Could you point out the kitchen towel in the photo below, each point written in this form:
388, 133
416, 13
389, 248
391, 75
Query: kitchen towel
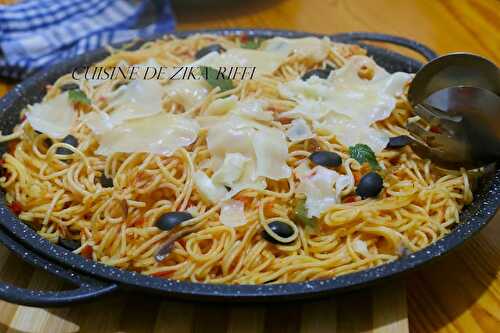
38, 33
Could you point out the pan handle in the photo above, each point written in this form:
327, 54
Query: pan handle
376, 37
87, 288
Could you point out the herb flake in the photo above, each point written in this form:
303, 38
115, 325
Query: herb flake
78, 96
300, 214
363, 153
216, 79
252, 44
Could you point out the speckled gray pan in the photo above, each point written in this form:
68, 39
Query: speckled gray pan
94, 279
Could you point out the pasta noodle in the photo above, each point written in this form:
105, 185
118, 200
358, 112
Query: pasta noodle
60, 195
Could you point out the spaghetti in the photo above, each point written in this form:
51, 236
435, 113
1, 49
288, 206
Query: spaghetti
60, 190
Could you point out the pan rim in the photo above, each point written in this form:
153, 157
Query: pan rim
483, 209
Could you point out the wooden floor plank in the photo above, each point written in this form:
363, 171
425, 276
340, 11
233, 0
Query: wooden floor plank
390, 313
319, 316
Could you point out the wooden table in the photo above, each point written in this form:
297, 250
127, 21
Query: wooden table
458, 293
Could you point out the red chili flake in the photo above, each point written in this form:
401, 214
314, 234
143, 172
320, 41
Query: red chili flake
23, 117
138, 223
435, 129
285, 121
162, 274
2, 161
16, 207
244, 38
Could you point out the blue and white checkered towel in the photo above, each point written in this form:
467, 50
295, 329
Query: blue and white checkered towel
37, 33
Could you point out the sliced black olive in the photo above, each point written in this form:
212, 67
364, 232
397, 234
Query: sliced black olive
69, 244
321, 73
281, 229
48, 142
326, 158
70, 140
207, 49
169, 220
105, 181
370, 185
69, 86
399, 141
119, 84
330, 68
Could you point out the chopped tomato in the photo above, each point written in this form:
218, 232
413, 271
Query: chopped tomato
246, 200
285, 120
244, 38
162, 274
16, 207
87, 251
268, 208
435, 129
11, 146
350, 198
138, 223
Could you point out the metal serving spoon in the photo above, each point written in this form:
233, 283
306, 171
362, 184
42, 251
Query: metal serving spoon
458, 96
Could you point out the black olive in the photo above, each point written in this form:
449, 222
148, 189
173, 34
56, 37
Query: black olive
69, 86
119, 84
399, 141
281, 229
321, 73
105, 181
69, 244
70, 140
370, 185
326, 158
169, 220
207, 49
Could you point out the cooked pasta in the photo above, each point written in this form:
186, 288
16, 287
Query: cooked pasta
102, 165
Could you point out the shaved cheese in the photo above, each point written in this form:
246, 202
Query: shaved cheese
230, 135
303, 169
98, 121
299, 130
318, 188
54, 117
232, 213
360, 246
231, 170
160, 134
351, 133
346, 105
263, 61
310, 47
322, 187
221, 106
188, 93
210, 191
341, 184
138, 99
253, 109
271, 150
